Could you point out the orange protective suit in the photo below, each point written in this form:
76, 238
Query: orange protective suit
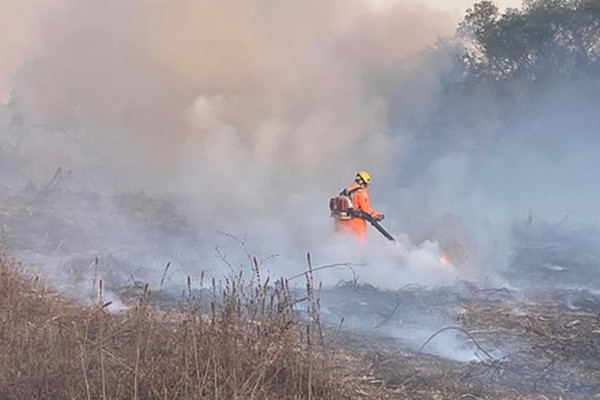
360, 201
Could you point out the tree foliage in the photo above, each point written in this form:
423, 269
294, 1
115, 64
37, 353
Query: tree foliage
543, 41
520, 72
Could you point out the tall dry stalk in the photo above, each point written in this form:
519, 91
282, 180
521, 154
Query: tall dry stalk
243, 340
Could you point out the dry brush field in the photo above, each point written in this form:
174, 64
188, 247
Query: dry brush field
247, 340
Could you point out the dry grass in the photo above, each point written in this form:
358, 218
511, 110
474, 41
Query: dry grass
245, 342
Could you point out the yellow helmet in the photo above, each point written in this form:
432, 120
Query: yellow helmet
365, 176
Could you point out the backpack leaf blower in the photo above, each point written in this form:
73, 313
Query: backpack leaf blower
375, 224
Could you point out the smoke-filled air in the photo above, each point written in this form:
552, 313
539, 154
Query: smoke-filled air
245, 117
156, 140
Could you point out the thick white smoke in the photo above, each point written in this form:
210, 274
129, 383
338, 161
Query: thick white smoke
247, 116
198, 134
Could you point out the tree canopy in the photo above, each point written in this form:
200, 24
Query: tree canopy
529, 72
543, 41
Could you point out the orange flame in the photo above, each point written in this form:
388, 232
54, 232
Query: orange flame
444, 260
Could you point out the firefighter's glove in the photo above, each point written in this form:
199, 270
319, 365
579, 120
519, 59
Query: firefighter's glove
380, 217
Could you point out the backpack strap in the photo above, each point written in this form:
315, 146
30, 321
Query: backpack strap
353, 213
345, 192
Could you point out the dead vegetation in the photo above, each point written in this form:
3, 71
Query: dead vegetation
249, 340
246, 343
526, 346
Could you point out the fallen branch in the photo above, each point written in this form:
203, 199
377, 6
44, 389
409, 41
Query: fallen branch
337, 265
460, 330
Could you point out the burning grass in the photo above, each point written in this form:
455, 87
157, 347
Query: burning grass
246, 341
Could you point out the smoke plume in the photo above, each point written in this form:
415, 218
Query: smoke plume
247, 115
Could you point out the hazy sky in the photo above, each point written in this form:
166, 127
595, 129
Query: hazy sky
459, 6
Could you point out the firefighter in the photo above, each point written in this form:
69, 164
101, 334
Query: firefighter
359, 196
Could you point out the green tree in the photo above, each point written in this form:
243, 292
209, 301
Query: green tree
545, 40
528, 71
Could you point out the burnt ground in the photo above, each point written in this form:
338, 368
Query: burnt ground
538, 337
542, 344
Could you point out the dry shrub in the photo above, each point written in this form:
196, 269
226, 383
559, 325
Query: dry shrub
245, 341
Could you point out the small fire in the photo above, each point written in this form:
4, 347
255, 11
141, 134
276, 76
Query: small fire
444, 260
